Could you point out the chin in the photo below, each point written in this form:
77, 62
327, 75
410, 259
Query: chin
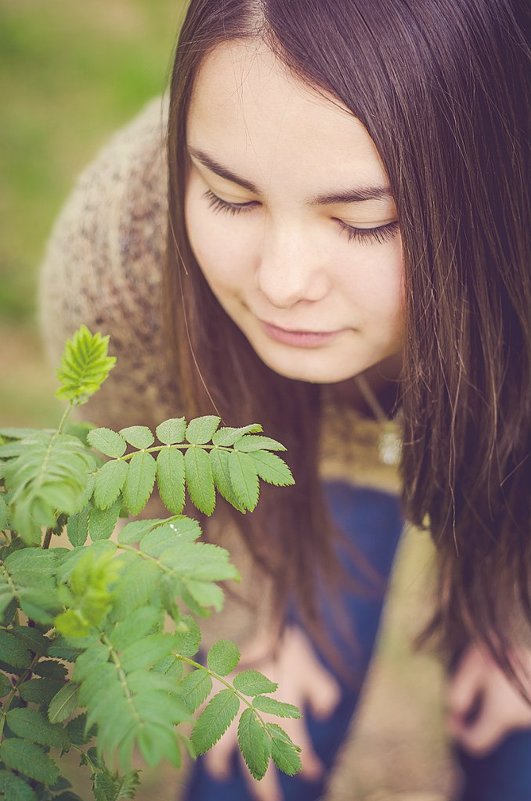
298, 369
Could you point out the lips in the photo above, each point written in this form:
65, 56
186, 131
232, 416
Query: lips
298, 339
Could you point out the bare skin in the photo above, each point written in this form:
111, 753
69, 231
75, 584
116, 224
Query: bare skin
502, 708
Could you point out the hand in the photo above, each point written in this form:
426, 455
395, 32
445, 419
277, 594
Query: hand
301, 680
483, 705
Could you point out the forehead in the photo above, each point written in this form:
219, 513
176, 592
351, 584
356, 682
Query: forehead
250, 112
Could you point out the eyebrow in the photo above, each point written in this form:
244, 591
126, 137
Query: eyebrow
357, 195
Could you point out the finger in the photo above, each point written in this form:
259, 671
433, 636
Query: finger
479, 739
463, 688
268, 788
320, 688
323, 693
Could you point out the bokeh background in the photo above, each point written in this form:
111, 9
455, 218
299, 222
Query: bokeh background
71, 73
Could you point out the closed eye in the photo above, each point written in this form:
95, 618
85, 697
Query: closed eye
380, 234
218, 204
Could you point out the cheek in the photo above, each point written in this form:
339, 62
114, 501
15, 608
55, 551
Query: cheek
388, 292
221, 252
379, 288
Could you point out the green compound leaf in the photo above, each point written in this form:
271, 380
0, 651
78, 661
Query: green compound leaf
228, 436
181, 528
199, 480
110, 479
107, 441
139, 482
133, 532
49, 477
108, 787
274, 707
40, 691
29, 759
138, 436
195, 688
271, 468
170, 479
214, 721
252, 443
27, 578
223, 657
14, 788
201, 430
252, 682
77, 527
244, 479
13, 650
64, 703
284, 752
254, 743
5, 685
31, 725
3, 513
156, 742
143, 621
84, 366
206, 594
219, 461
187, 637
50, 669
102, 522
171, 431
33, 639
76, 730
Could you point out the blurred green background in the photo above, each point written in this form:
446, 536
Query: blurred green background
70, 74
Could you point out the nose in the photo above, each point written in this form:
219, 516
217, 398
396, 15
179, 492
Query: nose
290, 268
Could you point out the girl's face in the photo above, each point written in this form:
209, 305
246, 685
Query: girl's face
290, 218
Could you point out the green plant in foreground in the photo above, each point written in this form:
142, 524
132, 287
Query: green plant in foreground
99, 640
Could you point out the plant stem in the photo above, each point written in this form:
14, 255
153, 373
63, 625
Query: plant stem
47, 538
64, 418
180, 445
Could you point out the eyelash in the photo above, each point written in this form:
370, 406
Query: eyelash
380, 234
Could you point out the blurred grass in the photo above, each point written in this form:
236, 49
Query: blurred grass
70, 74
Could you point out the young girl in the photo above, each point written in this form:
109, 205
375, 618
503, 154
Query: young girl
339, 222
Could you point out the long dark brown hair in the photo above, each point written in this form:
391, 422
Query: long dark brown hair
442, 88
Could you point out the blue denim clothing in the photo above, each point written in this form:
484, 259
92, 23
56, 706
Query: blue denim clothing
372, 522
503, 775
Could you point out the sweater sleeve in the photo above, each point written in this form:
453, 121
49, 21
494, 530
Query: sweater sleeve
103, 267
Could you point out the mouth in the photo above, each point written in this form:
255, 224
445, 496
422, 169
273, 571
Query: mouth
298, 338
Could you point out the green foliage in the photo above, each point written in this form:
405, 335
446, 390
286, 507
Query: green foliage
284, 752
254, 743
214, 720
274, 707
223, 657
251, 682
98, 640
84, 367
